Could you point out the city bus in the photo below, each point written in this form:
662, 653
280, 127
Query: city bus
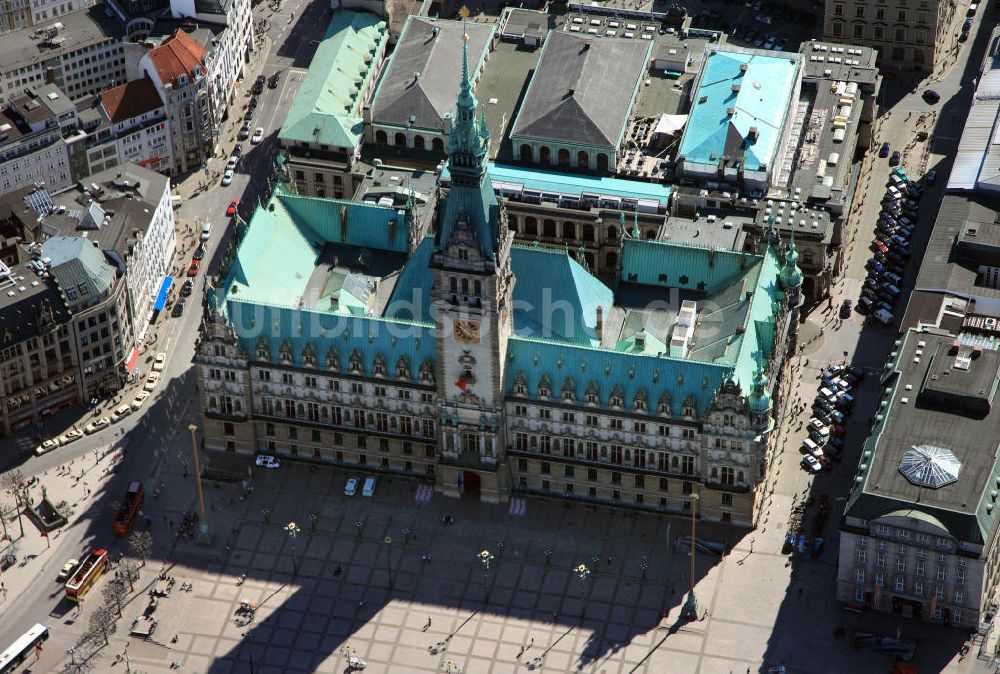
87, 574
28, 644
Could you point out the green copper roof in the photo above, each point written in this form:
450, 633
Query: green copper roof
672, 265
556, 298
791, 275
326, 105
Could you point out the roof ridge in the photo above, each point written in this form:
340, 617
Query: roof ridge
601, 349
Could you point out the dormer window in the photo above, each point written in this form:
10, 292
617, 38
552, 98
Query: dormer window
463, 253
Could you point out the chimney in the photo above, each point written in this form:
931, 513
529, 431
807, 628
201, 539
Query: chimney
977, 351
599, 328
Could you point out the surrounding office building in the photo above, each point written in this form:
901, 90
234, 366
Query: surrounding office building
36, 131
130, 125
14, 15
533, 376
919, 532
740, 118
412, 104
907, 34
178, 71
577, 107
79, 274
47, 10
82, 53
322, 134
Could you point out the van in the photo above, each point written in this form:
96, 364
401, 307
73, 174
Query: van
369, 489
886, 317
828, 394
846, 400
810, 447
175, 202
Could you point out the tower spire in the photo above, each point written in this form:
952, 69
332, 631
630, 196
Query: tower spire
469, 140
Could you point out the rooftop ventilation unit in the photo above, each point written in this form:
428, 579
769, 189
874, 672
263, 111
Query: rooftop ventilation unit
736, 88
754, 133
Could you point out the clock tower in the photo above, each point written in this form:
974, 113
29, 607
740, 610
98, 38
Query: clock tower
472, 295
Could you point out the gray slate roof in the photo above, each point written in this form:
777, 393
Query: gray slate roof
438, 60
582, 89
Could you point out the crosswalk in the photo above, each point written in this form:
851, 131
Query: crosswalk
518, 506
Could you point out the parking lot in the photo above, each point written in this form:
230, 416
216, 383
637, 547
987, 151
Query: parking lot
763, 25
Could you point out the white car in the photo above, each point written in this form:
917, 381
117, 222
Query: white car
159, 362
121, 412
68, 569
151, 381
206, 231
258, 135
231, 164
819, 427
227, 178
812, 463
47, 446
96, 425
267, 461
351, 488
70, 436
140, 398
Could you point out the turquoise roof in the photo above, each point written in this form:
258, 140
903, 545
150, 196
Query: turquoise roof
573, 184
673, 265
555, 297
369, 336
325, 108
765, 91
791, 275
411, 297
277, 257
756, 343
535, 358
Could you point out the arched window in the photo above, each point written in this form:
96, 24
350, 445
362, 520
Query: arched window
545, 155
612, 232
526, 153
549, 228
563, 157
569, 230
602, 162
582, 159
381, 137
438, 145
400, 139
418, 142
588, 233
530, 226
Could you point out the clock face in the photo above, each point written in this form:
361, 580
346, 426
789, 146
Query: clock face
466, 331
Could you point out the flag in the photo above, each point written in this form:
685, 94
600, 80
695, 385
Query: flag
462, 383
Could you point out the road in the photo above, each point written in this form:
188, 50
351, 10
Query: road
287, 50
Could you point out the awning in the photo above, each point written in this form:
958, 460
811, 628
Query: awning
161, 297
132, 359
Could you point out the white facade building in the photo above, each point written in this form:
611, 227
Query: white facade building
33, 141
134, 129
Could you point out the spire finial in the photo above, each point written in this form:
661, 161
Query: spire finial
635, 224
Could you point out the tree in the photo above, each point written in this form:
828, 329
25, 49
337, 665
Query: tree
103, 623
131, 569
14, 483
141, 543
115, 593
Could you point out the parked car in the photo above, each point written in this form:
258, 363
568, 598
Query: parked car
237, 151
72, 435
206, 231
96, 425
268, 461
199, 252
894, 159
245, 131
151, 381
931, 96
258, 135
47, 446
121, 412
884, 150
231, 164
351, 488
817, 547
931, 177
193, 269
159, 362
819, 427
227, 178
139, 399
811, 463
789, 545
187, 288
272, 83
845, 309
178, 310
233, 205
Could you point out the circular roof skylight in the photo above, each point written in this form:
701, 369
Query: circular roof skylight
929, 466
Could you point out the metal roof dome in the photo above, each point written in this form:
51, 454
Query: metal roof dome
929, 466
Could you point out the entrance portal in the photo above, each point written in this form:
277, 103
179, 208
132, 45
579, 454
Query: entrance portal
470, 484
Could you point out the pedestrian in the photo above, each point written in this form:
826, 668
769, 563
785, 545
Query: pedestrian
428, 625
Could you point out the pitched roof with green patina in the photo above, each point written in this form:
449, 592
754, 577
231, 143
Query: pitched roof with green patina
326, 105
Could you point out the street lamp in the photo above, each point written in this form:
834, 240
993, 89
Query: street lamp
203, 537
388, 558
582, 572
293, 530
690, 610
253, 666
360, 526
486, 557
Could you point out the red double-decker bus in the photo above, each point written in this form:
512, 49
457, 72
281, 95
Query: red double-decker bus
129, 509
86, 574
